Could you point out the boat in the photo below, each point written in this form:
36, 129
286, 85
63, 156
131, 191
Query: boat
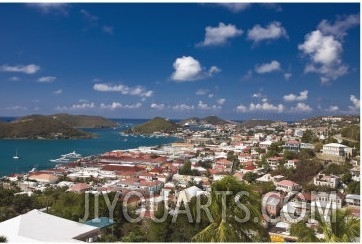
33, 169
71, 155
60, 160
16, 155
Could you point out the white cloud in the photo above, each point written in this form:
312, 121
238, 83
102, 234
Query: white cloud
355, 101
221, 101
189, 69
287, 76
58, 91
340, 26
273, 6
267, 67
324, 53
89, 17
303, 95
267, 107
26, 69
79, 106
264, 107
332, 108
158, 106
264, 100
201, 92
273, 31
47, 79
14, 78
183, 107
49, 7
241, 108
257, 95
210, 95
108, 29
116, 105
203, 106
123, 89
301, 107
219, 35
248, 75
214, 70
235, 7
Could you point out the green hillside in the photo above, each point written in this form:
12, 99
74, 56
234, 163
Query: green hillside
157, 124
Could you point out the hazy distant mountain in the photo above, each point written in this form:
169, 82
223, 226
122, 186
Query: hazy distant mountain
255, 122
157, 124
58, 126
213, 120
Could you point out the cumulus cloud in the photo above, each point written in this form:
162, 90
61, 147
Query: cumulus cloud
158, 106
47, 79
340, 26
210, 95
183, 107
332, 108
323, 47
287, 76
26, 69
219, 35
221, 101
241, 108
267, 67
303, 95
263, 107
355, 101
301, 107
201, 92
235, 7
123, 89
257, 95
267, 107
14, 78
116, 105
49, 7
204, 106
58, 91
79, 106
189, 69
273, 31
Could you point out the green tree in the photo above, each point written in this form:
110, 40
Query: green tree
308, 136
346, 178
303, 233
344, 228
185, 169
354, 187
250, 177
225, 209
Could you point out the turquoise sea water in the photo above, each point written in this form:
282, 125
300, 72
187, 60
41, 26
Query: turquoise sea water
39, 152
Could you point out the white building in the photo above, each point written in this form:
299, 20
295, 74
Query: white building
326, 180
334, 149
37, 226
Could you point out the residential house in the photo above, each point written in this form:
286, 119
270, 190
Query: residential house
292, 163
37, 226
292, 145
353, 200
326, 180
272, 203
336, 149
287, 186
274, 162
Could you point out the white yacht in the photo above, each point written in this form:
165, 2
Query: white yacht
71, 155
60, 160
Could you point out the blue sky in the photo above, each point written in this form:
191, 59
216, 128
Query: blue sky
237, 61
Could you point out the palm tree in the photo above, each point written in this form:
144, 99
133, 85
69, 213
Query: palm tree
344, 228
303, 233
227, 213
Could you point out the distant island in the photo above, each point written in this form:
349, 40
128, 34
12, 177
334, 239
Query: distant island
154, 125
212, 120
57, 126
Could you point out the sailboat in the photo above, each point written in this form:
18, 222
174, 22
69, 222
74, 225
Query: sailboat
16, 155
